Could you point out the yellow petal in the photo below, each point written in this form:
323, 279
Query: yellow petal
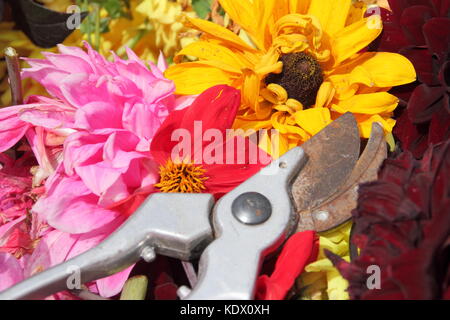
352, 39
219, 32
281, 122
241, 12
273, 144
250, 89
313, 120
319, 265
331, 13
325, 95
384, 69
299, 6
195, 77
356, 12
339, 248
251, 123
341, 233
365, 124
264, 11
372, 103
289, 43
205, 50
281, 9
268, 63
274, 93
337, 286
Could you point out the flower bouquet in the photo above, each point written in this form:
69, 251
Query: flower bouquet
116, 111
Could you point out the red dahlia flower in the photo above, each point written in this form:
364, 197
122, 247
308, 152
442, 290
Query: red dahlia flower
195, 152
402, 226
420, 30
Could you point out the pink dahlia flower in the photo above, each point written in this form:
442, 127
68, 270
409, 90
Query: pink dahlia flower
92, 140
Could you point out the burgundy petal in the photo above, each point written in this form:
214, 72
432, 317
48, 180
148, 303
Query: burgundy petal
412, 21
437, 36
424, 102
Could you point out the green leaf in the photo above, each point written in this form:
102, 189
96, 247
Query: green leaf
202, 7
104, 25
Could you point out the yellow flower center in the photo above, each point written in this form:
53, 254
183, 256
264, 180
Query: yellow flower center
181, 178
301, 77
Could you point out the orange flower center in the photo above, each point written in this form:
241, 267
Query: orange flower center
301, 77
181, 178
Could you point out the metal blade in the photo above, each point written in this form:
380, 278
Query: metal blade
332, 155
338, 208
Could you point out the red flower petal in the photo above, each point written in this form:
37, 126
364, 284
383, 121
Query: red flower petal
245, 160
215, 108
299, 250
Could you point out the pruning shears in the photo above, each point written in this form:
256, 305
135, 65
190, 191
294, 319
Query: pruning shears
312, 187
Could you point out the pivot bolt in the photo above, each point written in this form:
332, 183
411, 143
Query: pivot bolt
251, 208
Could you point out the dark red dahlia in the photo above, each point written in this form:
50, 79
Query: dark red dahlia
420, 30
402, 225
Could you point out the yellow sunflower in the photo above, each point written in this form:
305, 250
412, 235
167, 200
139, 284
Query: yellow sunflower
299, 64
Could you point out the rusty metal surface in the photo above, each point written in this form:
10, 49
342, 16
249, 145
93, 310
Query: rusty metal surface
332, 154
337, 209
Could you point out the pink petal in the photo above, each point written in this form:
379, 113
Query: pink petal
12, 128
119, 149
49, 116
71, 207
51, 250
47, 160
162, 62
68, 62
112, 285
115, 193
98, 115
98, 178
142, 119
74, 51
10, 271
46, 74
80, 89
82, 148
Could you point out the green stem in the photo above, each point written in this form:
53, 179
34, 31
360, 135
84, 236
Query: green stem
135, 288
15, 81
88, 20
97, 26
